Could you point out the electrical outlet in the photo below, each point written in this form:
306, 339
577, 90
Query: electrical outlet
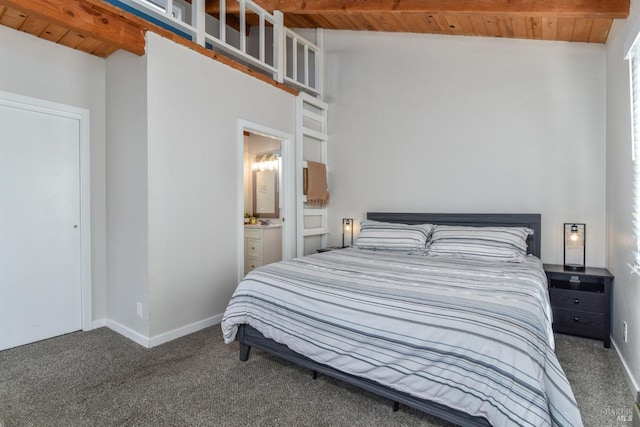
139, 313
624, 331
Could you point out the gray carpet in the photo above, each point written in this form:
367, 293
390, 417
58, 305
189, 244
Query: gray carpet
99, 378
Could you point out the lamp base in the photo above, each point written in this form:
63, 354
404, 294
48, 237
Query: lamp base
573, 267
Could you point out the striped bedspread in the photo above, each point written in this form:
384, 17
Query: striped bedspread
471, 335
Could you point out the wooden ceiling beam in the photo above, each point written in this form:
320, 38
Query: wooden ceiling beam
85, 19
612, 9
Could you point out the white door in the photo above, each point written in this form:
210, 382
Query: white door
40, 252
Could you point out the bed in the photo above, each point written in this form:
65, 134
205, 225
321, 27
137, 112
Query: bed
466, 340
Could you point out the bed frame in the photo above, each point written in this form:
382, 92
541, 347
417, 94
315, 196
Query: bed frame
249, 337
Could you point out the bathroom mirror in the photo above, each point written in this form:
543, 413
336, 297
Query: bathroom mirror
266, 199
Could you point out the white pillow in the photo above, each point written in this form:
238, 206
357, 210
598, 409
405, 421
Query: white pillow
484, 243
386, 236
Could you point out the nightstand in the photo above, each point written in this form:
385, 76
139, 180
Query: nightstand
581, 301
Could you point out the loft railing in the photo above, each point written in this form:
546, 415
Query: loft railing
244, 31
302, 70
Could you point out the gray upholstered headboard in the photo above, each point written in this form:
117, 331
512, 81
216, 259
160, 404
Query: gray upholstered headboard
532, 221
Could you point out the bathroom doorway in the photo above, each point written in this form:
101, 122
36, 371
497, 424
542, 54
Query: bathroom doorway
267, 191
262, 167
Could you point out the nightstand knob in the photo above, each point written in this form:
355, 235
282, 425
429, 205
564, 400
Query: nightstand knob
576, 319
576, 301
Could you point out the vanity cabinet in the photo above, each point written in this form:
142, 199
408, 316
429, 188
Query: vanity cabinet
262, 246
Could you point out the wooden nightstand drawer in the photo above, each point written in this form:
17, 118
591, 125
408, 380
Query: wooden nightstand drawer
577, 300
578, 322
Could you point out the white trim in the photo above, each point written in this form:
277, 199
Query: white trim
315, 134
313, 116
318, 231
243, 25
240, 198
99, 323
318, 103
185, 330
279, 46
222, 29
164, 337
287, 193
320, 63
82, 115
302, 102
85, 218
198, 20
128, 333
631, 382
632, 36
289, 196
313, 211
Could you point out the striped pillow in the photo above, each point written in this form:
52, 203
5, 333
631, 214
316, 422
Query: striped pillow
386, 236
483, 243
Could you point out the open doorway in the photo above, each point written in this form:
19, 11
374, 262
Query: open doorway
261, 194
265, 196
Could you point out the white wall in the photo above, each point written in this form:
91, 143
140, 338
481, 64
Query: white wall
40, 69
461, 124
626, 290
194, 105
127, 191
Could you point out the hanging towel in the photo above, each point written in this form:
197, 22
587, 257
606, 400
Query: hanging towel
317, 188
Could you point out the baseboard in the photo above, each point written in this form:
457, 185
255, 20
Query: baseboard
165, 336
631, 382
128, 333
98, 323
184, 330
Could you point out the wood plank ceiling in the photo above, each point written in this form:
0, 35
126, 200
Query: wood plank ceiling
91, 26
100, 29
559, 20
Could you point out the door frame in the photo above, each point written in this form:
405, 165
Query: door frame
27, 103
287, 192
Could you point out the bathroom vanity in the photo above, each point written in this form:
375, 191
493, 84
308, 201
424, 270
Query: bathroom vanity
262, 245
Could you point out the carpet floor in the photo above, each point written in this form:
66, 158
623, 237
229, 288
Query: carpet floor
100, 378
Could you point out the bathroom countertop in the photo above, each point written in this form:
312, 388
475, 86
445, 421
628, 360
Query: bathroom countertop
275, 225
